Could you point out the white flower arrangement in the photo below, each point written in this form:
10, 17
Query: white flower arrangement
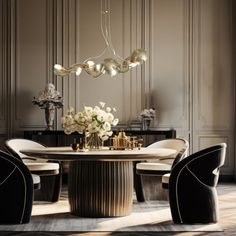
148, 114
98, 119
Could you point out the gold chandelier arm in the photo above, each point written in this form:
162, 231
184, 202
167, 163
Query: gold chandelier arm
76, 68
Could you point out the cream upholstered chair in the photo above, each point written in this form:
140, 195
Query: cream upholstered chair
49, 172
151, 171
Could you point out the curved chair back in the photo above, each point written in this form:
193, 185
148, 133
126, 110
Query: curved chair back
15, 145
175, 143
16, 190
192, 193
179, 144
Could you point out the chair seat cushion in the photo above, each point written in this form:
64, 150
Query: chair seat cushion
153, 166
41, 166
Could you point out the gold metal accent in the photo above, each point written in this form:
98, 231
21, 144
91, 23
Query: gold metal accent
122, 142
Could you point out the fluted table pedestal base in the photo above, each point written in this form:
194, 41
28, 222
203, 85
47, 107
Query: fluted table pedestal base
100, 188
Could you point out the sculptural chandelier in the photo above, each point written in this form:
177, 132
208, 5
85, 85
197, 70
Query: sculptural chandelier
111, 66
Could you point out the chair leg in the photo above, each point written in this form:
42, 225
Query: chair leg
139, 189
138, 185
50, 188
57, 187
152, 188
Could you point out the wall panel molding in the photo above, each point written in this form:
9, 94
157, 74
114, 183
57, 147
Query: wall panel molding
146, 43
213, 78
135, 42
11, 73
206, 140
234, 75
66, 34
170, 64
3, 39
213, 43
32, 65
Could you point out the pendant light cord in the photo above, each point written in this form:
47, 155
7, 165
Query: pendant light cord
105, 26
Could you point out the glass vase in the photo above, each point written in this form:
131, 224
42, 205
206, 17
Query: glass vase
49, 117
93, 141
146, 124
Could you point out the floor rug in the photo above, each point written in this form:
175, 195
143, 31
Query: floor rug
152, 216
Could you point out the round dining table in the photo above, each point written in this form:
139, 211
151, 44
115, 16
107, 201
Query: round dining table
100, 182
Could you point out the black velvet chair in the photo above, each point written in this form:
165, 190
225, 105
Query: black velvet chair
16, 190
192, 186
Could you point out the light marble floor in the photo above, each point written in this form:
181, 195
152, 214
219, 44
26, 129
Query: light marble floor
227, 203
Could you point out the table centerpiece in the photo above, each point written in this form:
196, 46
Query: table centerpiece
93, 122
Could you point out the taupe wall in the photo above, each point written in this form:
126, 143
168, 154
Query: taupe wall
189, 77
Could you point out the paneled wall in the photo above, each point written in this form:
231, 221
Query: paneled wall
188, 78
213, 82
124, 90
169, 70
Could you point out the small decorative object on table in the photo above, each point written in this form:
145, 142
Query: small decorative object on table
75, 145
49, 100
94, 123
79, 147
146, 116
122, 142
